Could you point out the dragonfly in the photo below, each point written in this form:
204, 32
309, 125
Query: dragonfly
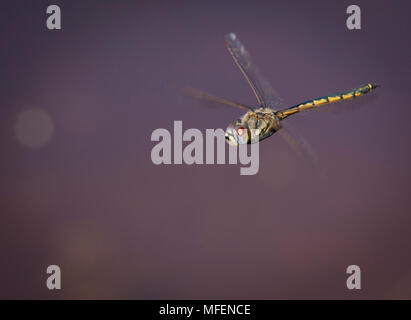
265, 119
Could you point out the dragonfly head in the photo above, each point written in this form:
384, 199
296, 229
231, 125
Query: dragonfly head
236, 135
253, 127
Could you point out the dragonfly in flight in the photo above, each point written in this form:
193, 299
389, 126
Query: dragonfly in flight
260, 122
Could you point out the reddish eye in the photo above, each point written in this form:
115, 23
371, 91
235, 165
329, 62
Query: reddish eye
240, 131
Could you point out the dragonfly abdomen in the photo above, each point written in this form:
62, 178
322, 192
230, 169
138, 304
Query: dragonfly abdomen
351, 94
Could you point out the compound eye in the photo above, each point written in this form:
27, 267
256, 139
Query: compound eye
240, 131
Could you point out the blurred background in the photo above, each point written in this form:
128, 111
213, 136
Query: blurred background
79, 189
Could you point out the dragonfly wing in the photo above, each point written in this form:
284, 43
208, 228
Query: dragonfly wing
265, 94
301, 147
202, 95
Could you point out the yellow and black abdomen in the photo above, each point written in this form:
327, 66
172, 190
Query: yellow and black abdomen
351, 94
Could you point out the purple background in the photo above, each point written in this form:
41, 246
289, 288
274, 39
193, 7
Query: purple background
92, 202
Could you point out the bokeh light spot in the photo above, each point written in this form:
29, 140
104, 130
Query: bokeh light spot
34, 128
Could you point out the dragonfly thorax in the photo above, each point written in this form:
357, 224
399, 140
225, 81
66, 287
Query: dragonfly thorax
253, 126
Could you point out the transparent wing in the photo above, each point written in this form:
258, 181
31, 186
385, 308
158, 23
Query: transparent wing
202, 95
301, 147
297, 143
265, 94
